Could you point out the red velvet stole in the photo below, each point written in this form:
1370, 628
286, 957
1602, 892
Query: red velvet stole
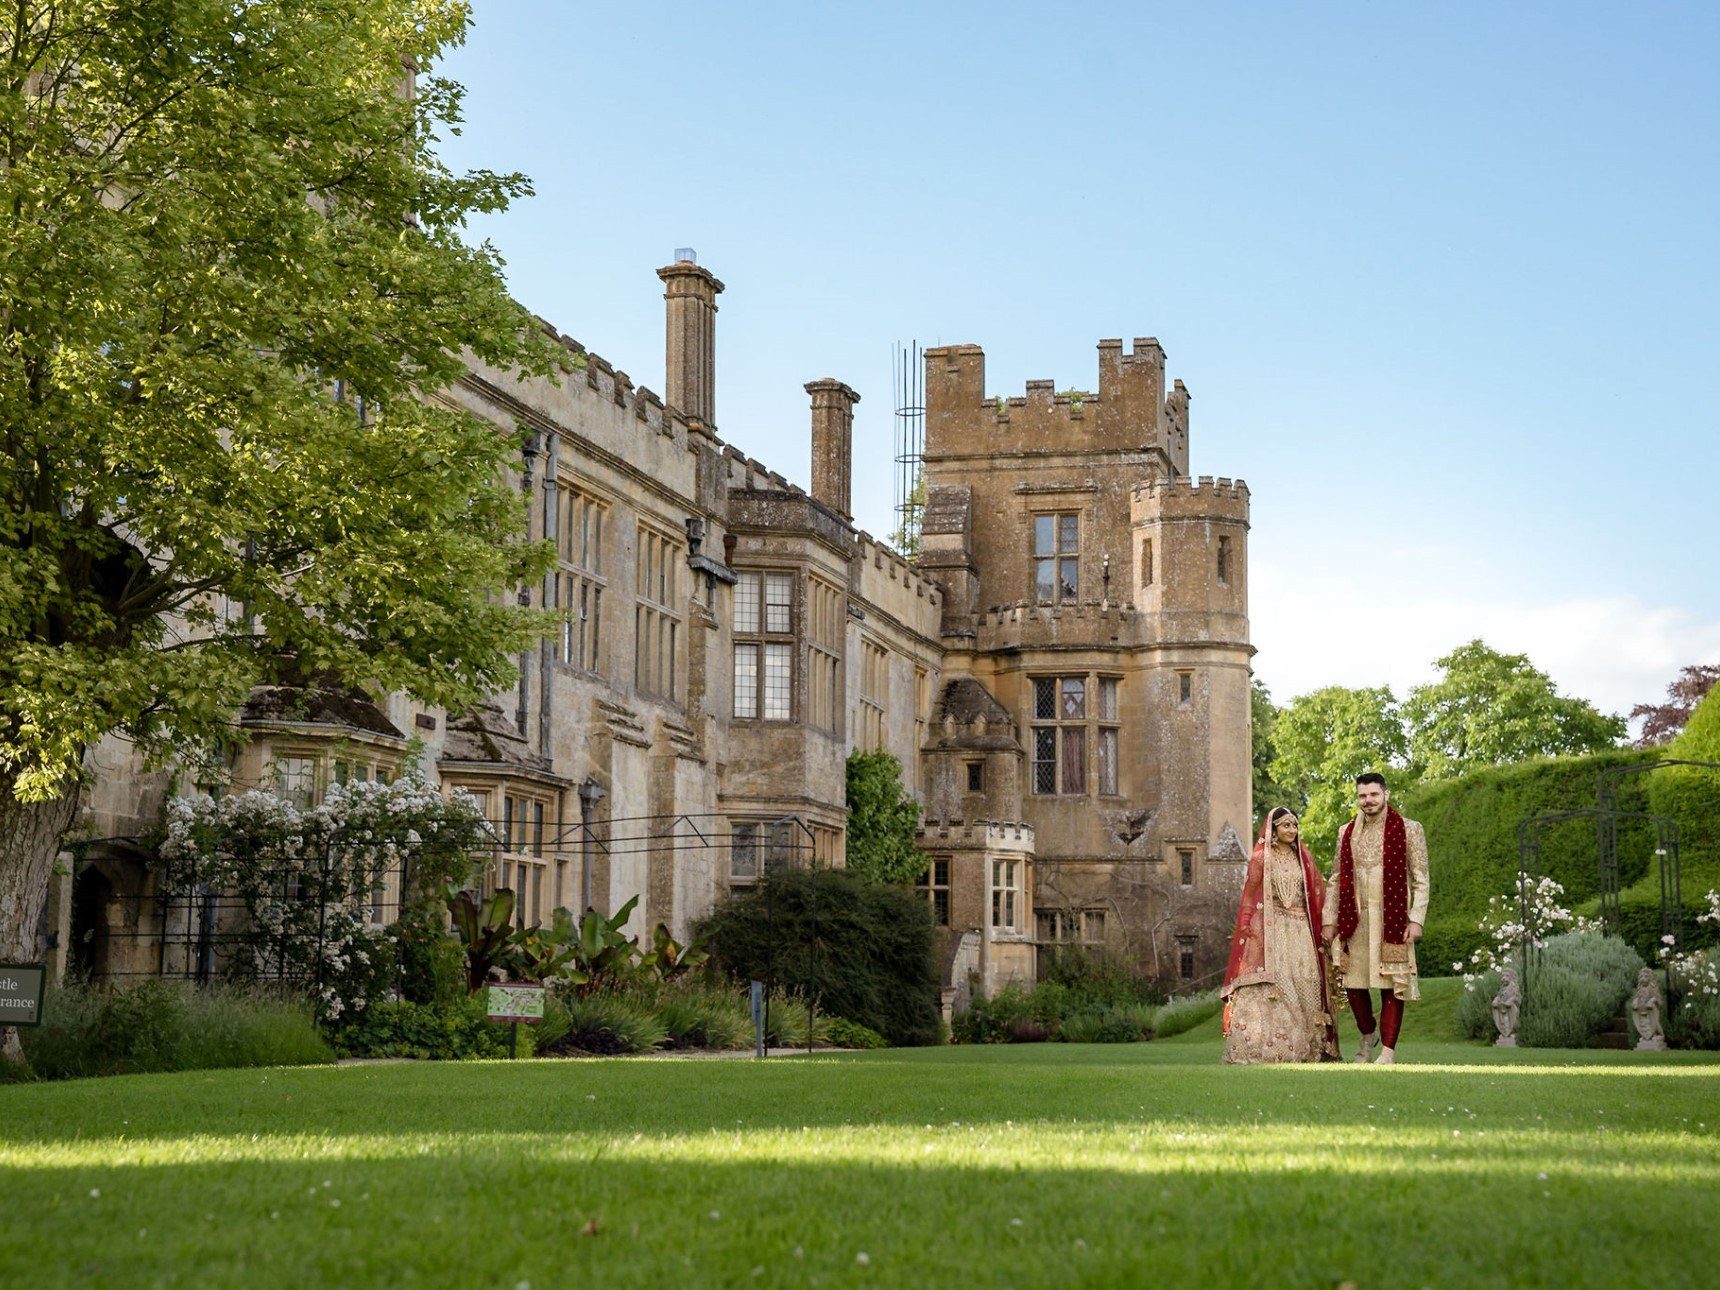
1394, 882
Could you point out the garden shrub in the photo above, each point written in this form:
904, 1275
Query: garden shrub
609, 1023
849, 1034
1564, 1009
1082, 1028
865, 951
1576, 989
1693, 1016
1185, 1014
169, 1026
1094, 978
1054, 1009
694, 1015
450, 1031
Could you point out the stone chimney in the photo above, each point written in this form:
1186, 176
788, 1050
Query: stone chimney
690, 377
833, 444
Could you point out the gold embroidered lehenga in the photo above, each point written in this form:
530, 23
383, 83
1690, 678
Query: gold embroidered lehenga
1275, 990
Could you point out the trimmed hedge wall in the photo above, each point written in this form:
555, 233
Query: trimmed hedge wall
1472, 844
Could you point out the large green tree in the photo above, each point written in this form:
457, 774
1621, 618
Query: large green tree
1490, 709
882, 820
1322, 741
1263, 718
232, 288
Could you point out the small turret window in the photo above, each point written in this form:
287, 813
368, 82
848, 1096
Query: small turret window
1223, 561
1056, 558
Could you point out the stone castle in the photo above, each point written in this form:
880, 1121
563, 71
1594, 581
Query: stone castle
1063, 670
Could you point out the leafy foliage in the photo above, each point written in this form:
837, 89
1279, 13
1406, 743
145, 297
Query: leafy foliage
302, 879
863, 950
485, 927
882, 820
1263, 719
234, 287
453, 1030
170, 1026
1661, 723
1494, 709
1691, 794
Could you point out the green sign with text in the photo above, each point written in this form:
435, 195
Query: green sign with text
21, 986
516, 1003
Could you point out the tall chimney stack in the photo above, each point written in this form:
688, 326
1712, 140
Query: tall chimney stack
833, 444
690, 354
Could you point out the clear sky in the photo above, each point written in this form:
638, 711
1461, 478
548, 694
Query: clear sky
1444, 280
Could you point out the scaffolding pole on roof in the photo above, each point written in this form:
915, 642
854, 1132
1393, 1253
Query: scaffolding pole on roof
908, 431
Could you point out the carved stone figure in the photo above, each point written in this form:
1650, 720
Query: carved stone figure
1645, 1013
1506, 1005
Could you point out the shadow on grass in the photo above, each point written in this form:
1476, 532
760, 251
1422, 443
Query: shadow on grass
499, 1210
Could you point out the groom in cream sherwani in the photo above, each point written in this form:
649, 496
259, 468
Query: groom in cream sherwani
1376, 907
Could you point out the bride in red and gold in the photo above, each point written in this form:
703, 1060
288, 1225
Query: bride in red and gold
1276, 1002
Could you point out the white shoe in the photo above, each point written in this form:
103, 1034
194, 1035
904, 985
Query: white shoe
1387, 1057
1366, 1052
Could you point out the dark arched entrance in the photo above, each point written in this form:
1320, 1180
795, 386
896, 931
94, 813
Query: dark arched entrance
92, 896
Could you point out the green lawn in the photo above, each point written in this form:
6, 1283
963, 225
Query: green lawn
1031, 1165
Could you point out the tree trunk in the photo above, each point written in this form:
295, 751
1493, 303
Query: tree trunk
30, 837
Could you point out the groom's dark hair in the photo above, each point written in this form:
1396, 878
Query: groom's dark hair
1371, 777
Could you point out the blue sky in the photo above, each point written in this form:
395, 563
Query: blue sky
1444, 280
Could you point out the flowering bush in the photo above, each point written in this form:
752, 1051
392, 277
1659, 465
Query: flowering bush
1695, 974
301, 884
1527, 918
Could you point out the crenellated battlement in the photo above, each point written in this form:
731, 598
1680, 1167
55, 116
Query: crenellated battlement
613, 385
1027, 611
1185, 498
1011, 835
745, 474
1128, 413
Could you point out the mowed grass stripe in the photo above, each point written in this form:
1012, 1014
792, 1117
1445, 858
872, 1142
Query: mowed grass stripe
1040, 1165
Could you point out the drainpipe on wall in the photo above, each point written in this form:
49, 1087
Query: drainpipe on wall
530, 448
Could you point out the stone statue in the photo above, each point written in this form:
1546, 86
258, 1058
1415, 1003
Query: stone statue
1506, 1005
1645, 1013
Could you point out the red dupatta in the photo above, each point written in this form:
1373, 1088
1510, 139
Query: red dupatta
1247, 965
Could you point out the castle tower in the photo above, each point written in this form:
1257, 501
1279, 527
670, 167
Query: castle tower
690, 326
1191, 583
833, 444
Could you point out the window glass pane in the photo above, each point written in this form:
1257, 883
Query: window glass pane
537, 828
1093, 925
1108, 699
1044, 699
746, 680
1185, 686
778, 594
1108, 761
1044, 534
1074, 697
1074, 759
1067, 580
1045, 581
1068, 532
743, 851
1045, 760
746, 603
778, 678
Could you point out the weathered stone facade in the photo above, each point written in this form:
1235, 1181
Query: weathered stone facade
730, 637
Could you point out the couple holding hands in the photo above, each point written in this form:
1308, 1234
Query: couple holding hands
1292, 925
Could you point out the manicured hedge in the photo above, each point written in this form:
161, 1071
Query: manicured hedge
1473, 849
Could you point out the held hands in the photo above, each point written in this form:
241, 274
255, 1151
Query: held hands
1413, 932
